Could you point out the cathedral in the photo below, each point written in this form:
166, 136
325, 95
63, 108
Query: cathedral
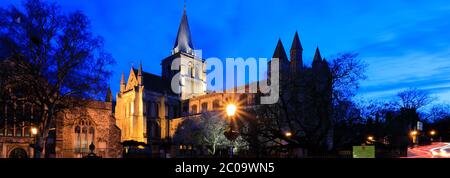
148, 111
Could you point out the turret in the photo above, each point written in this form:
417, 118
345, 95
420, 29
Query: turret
122, 83
296, 54
140, 78
108, 97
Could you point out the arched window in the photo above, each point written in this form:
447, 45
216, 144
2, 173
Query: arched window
194, 109
204, 107
91, 135
84, 135
77, 141
18, 153
190, 70
197, 72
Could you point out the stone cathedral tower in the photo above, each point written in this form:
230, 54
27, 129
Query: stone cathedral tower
192, 73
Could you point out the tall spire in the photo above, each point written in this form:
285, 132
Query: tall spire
140, 78
317, 56
296, 44
122, 80
280, 53
122, 83
296, 54
183, 42
108, 97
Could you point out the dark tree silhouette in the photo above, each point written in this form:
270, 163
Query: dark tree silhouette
347, 71
414, 98
53, 59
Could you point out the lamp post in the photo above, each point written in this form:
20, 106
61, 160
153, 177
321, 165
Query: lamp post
230, 133
370, 140
432, 134
414, 137
34, 132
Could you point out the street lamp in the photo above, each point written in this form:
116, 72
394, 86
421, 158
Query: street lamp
413, 133
230, 133
288, 134
34, 132
414, 136
370, 139
231, 110
432, 133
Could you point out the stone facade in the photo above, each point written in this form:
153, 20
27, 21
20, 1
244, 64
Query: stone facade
80, 127
75, 130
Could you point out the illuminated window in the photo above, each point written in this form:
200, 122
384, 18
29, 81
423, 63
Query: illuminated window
190, 70
84, 136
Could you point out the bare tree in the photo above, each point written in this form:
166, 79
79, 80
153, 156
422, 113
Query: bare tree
438, 112
347, 71
55, 62
414, 98
207, 130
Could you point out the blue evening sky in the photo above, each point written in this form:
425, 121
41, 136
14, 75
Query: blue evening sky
406, 43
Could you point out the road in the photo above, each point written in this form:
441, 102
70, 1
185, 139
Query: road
436, 150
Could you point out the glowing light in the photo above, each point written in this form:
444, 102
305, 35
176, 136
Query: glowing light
34, 131
413, 133
370, 138
231, 110
288, 134
432, 133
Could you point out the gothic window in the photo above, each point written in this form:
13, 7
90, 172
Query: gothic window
197, 72
204, 107
190, 70
194, 109
216, 104
77, 141
91, 135
84, 139
19, 118
84, 135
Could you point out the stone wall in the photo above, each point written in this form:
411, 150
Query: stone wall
106, 135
